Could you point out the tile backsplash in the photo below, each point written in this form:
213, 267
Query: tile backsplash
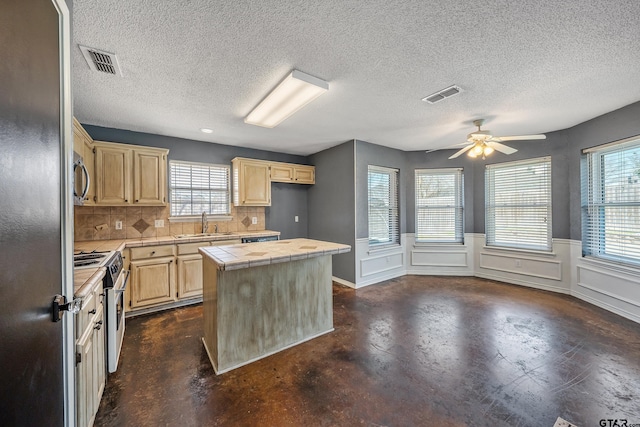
99, 222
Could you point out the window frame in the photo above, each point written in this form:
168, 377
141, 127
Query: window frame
393, 203
491, 239
194, 216
458, 207
593, 199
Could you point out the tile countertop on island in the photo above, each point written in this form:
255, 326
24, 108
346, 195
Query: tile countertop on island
234, 257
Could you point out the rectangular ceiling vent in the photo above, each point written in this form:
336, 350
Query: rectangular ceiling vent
99, 60
442, 94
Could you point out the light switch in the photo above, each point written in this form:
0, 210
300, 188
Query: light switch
254, 220
118, 225
159, 223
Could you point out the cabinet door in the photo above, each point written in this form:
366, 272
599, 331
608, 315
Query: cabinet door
85, 379
305, 175
281, 172
189, 276
149, 177
113, 175
152, 282
252, 182
99, 362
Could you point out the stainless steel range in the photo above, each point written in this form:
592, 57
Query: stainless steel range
114, 284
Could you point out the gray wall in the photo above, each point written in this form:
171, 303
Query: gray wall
287, 200
332, 204
376, 155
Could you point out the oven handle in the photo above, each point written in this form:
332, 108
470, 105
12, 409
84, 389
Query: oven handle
124, 286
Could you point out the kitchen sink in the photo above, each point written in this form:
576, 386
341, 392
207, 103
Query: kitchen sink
186, 236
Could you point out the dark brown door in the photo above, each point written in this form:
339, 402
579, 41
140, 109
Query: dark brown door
32, 383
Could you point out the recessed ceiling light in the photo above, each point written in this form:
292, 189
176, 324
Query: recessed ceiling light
294, 92
206, 130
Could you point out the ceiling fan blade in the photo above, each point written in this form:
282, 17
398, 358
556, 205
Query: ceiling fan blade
501, 147
460, 152
518, 137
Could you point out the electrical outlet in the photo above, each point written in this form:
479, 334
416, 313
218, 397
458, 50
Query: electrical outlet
518, 263
118, 225
295, 218
254, 220
159, 223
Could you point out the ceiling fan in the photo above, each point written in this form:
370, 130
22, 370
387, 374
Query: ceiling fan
482, 143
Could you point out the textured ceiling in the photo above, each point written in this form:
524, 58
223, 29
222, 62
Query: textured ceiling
527, 66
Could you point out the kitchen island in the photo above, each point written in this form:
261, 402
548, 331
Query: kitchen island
261, 298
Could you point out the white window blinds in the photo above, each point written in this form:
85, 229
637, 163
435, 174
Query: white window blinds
611, 201
518, 204
384, 227
198, 187
439, 205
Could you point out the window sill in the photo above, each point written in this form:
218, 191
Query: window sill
196, 218
611, 265
547, 254
383, 248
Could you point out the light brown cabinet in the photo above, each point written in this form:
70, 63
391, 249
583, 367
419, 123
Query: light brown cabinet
292, 173
152, 281
90, 357
252, 179
251, 182
130, 174
83, 145
190, 267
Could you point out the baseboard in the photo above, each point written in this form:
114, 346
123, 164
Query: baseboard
524, 283
343, 282
606, 306
162, 307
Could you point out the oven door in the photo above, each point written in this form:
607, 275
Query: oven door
115, 319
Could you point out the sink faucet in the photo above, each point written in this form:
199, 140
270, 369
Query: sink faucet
205, 223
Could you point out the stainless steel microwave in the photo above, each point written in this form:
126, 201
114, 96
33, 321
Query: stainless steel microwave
81, 181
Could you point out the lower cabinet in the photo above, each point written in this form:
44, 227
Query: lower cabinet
152, 281
189, 276
90, 359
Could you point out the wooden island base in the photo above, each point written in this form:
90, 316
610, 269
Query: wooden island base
254, 312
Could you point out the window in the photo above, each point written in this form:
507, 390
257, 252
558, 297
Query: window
383, 206
198, 187
611, 201
439, 205
518, 204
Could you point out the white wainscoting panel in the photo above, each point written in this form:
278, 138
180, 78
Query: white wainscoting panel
374, 266
444, 259
548, 271
605, 285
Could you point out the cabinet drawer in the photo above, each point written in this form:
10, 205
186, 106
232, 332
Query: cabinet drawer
190, 248
151, 252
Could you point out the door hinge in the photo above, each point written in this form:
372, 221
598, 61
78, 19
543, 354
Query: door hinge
78, 358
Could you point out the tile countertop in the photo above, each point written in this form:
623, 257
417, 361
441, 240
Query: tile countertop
234, 257
119, 245
85, 279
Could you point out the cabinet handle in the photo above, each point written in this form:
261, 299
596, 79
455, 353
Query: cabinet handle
97, 327
137, 201
92, 311
126, 201
99, 322
153, 252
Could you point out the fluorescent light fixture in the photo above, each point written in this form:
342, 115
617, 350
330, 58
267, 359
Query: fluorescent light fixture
294, 92
206, 130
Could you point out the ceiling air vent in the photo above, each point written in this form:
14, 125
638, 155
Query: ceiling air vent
442, 94
99, 60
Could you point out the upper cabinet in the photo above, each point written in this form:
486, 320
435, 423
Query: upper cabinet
130, 175
251, 183
83, 145
252, 179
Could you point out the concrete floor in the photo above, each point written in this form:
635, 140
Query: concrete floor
413, 351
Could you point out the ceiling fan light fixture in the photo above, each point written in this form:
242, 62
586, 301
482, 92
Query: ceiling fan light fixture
487, 150
294, 92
